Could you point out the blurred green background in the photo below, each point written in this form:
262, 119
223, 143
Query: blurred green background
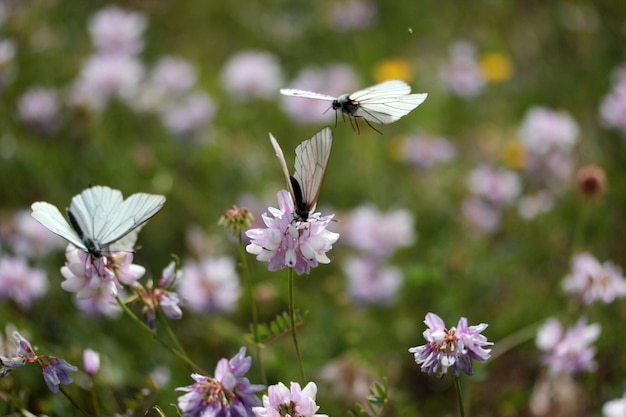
558, 54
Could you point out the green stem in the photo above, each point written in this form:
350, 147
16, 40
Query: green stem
255, 317
144, 326
292, 315
94, 397
459, 394
74, 403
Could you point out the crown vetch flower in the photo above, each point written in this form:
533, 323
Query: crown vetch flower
227, 394
593, 281
288, 242
454, 347
293, 402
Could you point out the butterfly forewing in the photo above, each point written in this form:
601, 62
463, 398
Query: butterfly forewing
386, 89
307, 94
52, 219
94, 210
283, 165
311, 160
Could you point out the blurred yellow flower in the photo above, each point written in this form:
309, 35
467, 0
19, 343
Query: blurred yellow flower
496, 67
393, 69
514, 154
396, 148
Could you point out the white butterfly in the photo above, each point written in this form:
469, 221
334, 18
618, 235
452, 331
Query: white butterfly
99, 218
311, 160
382, 103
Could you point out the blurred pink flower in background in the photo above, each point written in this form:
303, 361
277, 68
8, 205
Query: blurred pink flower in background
425, 152
370, 282
532, 205
114, 30
544, 130
481, 215
100, 303
21, 283
498, 186
593, 281
91, 361
351, 14
568, 351
28, 237
252, 74
40, 109
613, 105
462, 74
7, 61
211, 285
190, 117
378, 233
333, 80
104, 77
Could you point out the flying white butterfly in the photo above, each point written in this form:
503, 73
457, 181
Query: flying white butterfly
311, 160
382, 103
99, 218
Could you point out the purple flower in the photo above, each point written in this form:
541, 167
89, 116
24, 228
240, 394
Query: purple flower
57, 371
40, 109
227, 394
252, 74
481, 215
116, 31
462, 74
369, 282
211, 285
425, 152
530, 206
21, 283
287, 242
334, 80
594, 281
378, 233
293, 401
91, 361
454, 347
568, 352
613, 106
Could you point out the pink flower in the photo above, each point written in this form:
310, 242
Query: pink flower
568, 352
499, 186
379, 233
40, 109
211, 285
481, 215
116, 31
287, 242
593, 281
189, 117
30, 238
293, 401
544, 130
370, 282
351, 14
425, 152
21, 283
455, 347
91, 361
462, 74
613, 106
334, 80
252, 74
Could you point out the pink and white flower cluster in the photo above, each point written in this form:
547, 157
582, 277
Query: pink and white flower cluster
594, 281
568, 351
613, 106
287, 242
293, 401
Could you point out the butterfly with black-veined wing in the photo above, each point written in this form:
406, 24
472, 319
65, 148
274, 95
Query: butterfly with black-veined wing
311, 160
382, 103
99, 217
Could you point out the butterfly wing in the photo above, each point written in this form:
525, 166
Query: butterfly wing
311, 160
52, 219
386, 102
104, 216
283, 165
306, 94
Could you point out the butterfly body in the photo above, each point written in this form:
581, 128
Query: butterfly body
306, 182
